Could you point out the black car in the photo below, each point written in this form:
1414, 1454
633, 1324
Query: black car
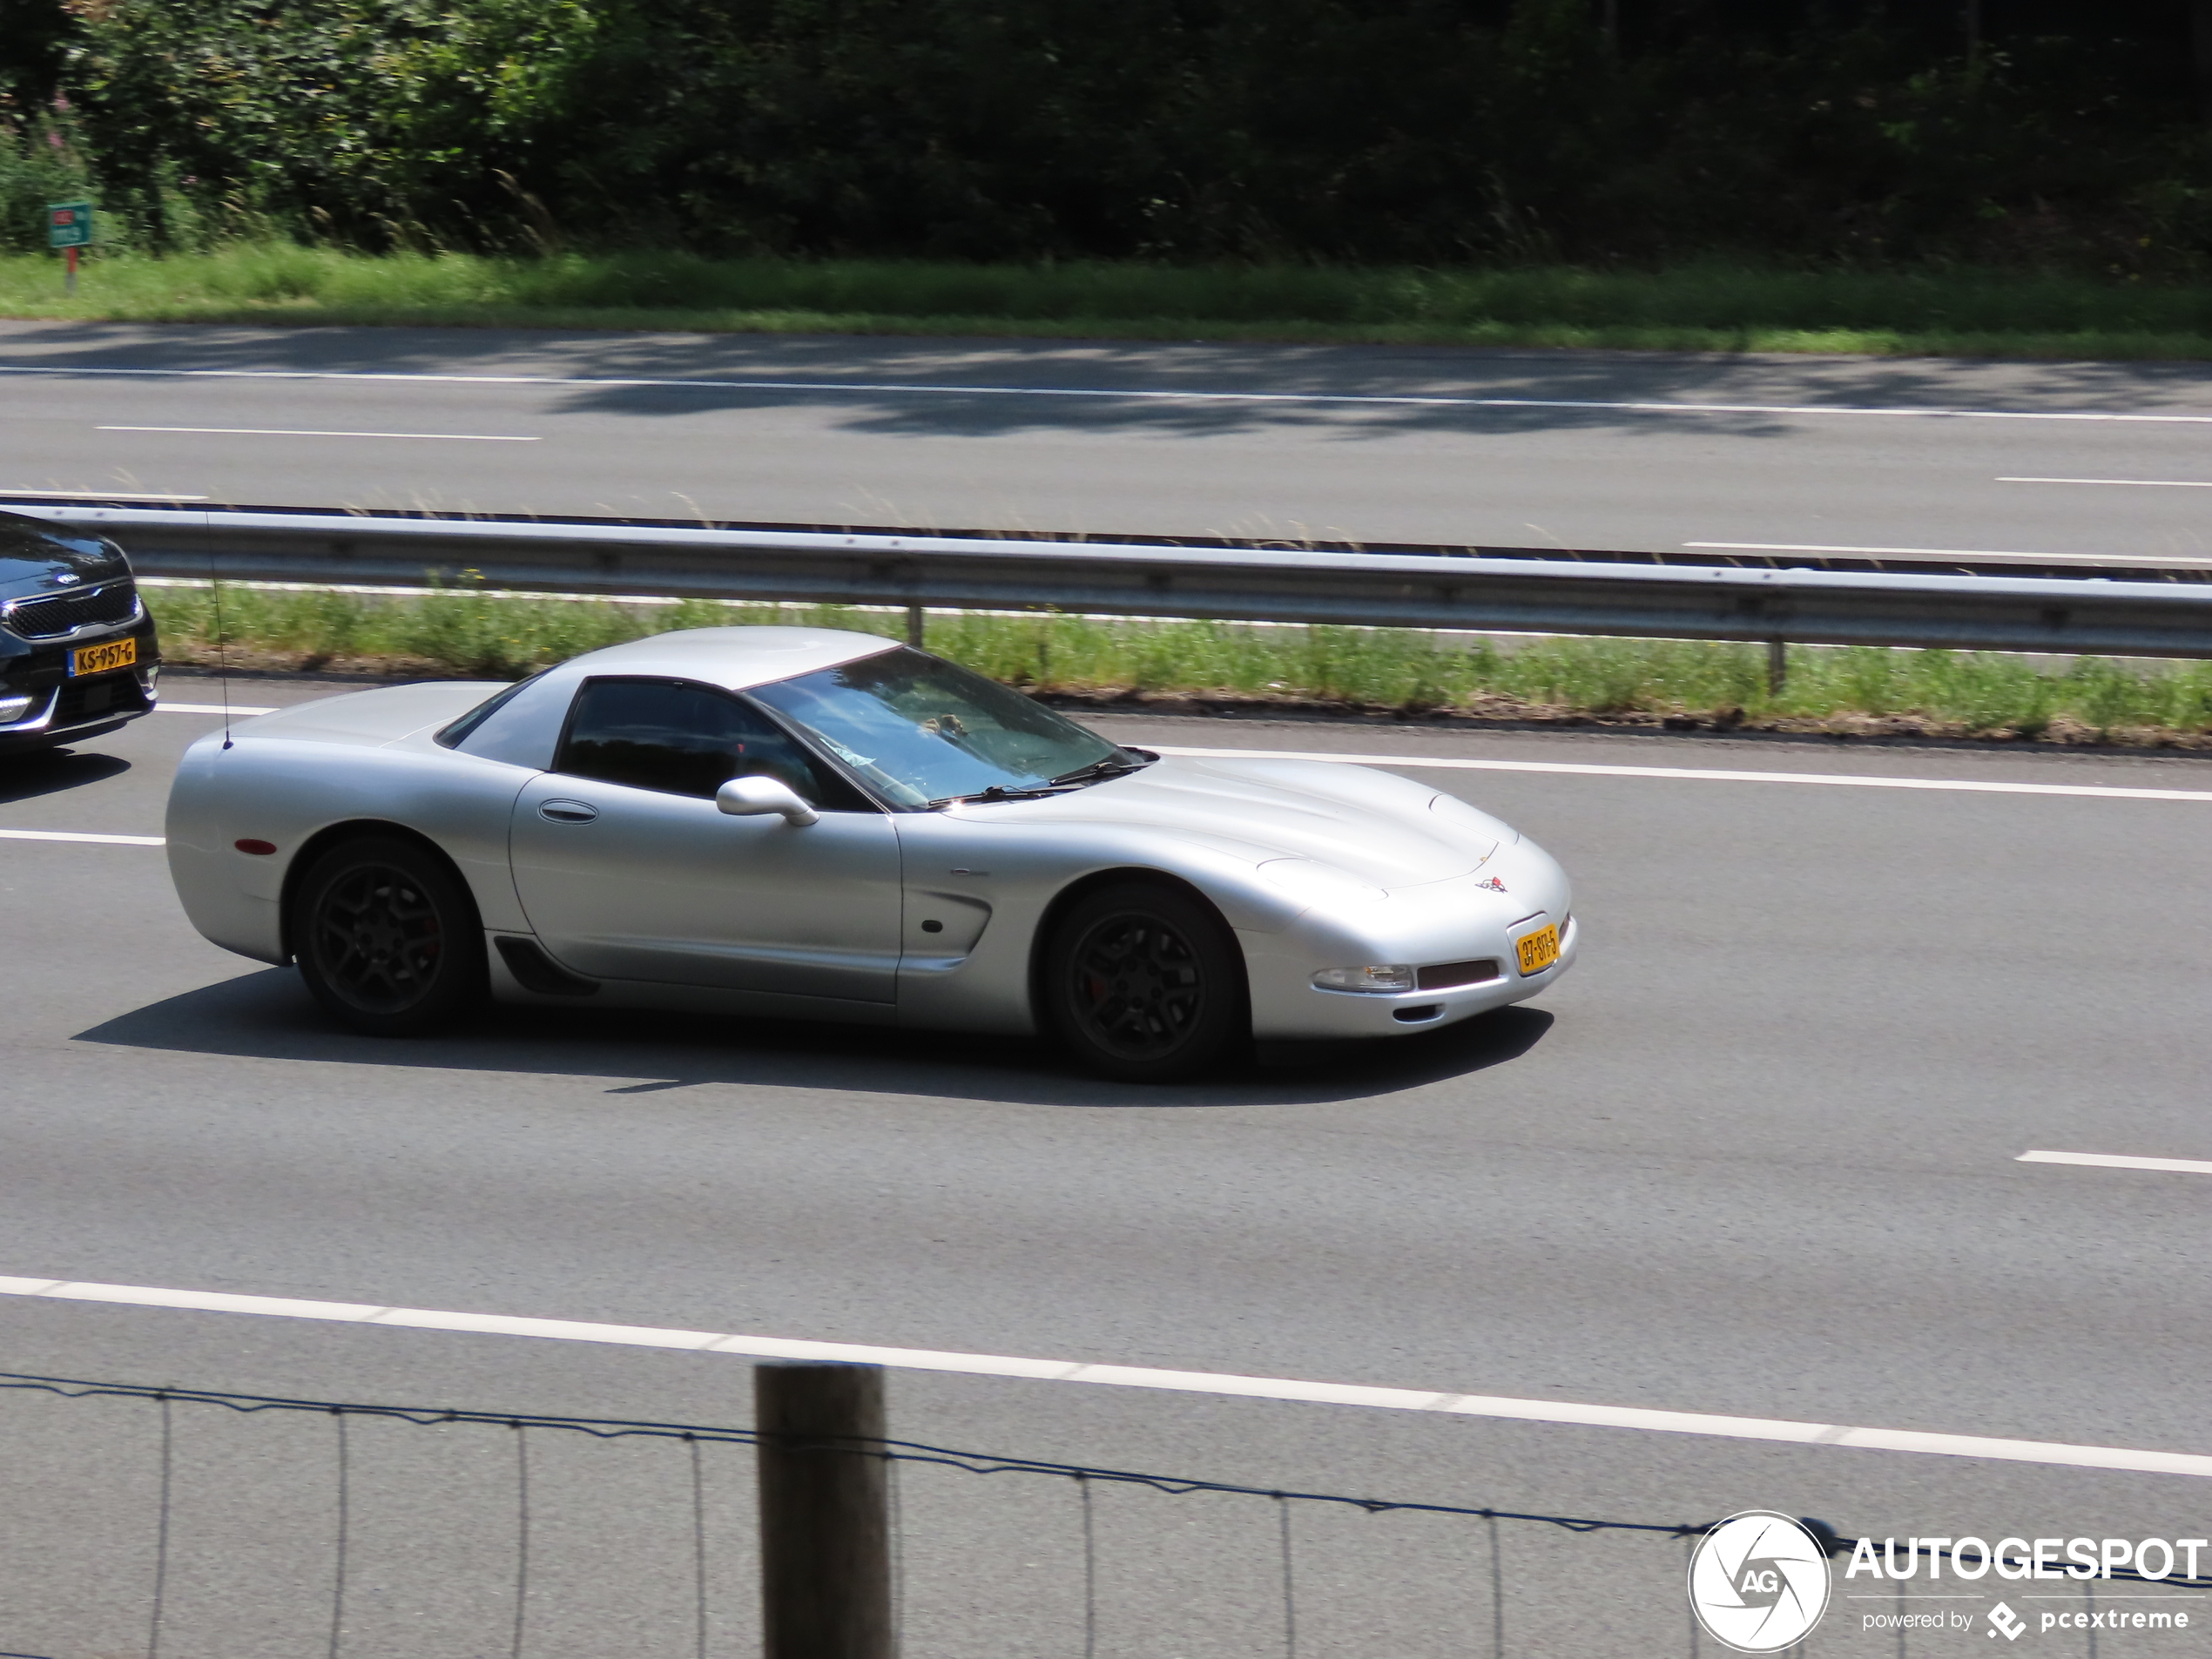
78, 652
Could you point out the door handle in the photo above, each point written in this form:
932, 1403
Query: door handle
567, 812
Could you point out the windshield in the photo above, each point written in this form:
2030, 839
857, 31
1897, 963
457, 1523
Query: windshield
922, 730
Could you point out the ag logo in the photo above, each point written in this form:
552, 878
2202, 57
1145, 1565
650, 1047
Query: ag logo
1758, 1582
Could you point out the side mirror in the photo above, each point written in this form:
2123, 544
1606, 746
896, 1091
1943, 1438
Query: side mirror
757, 797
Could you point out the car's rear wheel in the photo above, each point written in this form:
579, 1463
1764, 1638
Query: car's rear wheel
1144, 982
387, 938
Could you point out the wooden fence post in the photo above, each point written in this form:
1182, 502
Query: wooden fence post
824, 1514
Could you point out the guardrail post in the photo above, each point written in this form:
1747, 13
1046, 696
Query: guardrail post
824, 1514
914, 626
1778, 667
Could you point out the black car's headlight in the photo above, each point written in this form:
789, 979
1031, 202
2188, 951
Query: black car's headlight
16, 706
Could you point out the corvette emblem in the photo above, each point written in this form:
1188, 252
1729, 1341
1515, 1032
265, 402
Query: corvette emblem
1493, 885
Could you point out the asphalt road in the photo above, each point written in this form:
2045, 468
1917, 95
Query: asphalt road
1756, 1155
1502, 448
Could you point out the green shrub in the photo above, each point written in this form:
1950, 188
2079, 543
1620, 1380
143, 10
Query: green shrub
472, 631
1278, 134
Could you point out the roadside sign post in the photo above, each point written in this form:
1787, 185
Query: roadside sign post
69, 227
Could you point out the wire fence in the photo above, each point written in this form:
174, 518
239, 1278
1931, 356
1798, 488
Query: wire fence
342, 1539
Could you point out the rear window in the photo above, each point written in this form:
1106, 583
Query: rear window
520, 726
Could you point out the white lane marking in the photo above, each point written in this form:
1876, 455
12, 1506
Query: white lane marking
287, 432
1413, 400
1695, 774
1957, 553
1197, 1382
74, 835
2115, 1161
237, 711
100, 495
2131, 483
1433, 763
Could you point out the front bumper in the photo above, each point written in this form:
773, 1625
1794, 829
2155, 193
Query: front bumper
1483, 915
1365, 1014
67, 708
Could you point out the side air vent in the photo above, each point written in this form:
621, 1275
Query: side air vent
58, 616
535, 971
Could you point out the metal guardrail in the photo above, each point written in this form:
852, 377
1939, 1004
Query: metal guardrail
1586, 595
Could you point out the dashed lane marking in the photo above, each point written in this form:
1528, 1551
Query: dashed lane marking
78, 835
102, 494
2125, 484
2117, 1161
1987, 555
287, 432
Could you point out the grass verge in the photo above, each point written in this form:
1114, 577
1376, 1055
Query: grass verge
1403, 672
1698, 308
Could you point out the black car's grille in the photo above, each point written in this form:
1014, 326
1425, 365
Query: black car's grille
83, 700
64, 613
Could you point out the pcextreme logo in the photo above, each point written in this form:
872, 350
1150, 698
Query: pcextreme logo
1758, 1582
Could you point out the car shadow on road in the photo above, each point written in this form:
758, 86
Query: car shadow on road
267, 1015
50, 772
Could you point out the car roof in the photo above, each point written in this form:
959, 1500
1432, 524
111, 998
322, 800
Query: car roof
732, 658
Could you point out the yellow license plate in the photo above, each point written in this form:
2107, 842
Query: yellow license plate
98, 660
1538, 950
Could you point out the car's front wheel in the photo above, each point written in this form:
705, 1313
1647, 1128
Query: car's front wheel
1144, 982
387, 938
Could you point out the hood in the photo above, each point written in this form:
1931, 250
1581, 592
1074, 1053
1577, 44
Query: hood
1375, 826
32, 554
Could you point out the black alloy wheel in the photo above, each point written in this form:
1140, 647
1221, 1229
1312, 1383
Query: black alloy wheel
387, 938
1145, 983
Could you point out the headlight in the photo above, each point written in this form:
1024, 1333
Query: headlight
1395, 976
13, 709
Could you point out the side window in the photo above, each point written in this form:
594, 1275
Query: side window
687, 740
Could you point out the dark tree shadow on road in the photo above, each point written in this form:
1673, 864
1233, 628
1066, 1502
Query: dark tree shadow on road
932, 388
267, 1015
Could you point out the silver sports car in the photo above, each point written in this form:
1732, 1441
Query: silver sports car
804, 824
